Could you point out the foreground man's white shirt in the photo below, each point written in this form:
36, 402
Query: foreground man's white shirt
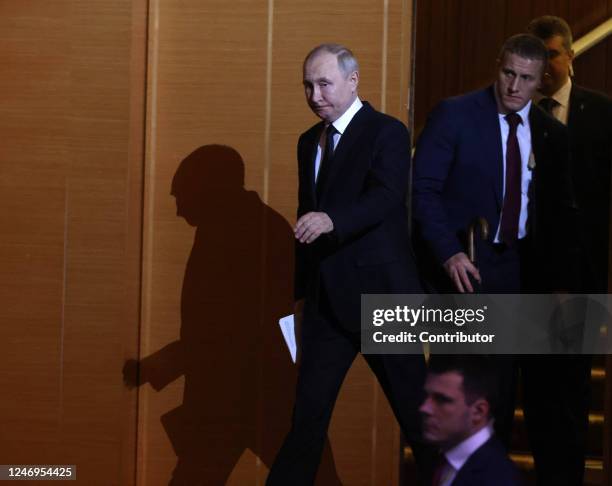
458, 455
340, 125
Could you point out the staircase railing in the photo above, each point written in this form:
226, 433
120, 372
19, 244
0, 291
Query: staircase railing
594, 37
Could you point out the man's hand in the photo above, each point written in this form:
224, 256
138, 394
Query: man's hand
459, 268
312, 225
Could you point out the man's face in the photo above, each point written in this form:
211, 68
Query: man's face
518, 78
559, 63
447, 418
328, 91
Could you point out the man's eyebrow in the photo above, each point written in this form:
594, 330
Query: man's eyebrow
441, 397
317, 80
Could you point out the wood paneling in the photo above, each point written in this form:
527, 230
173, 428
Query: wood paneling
70, 181
225, 95
458, 42
157, 227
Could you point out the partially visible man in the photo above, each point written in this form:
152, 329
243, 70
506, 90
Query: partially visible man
557, 414
493, 154
352, 239
461, 394
587, 115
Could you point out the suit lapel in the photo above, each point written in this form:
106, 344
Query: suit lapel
539, 133
489, 132
309, 155
576, 115
347, 141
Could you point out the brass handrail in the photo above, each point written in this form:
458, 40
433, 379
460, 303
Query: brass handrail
592, 38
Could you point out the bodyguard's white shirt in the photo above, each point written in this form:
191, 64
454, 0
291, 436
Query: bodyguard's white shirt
340, 125
523, 134
458, 455
562, 97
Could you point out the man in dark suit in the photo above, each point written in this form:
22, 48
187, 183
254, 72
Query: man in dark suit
587, 115
462, 172
560, 416
352, 239
461, 393
494, 154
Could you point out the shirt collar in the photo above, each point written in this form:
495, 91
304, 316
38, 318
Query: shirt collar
458, 455
523, 112
341, 123
562, 96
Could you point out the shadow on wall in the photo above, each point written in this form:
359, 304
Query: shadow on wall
239, 378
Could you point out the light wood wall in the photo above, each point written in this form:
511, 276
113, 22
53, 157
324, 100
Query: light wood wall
101, 102
71, 118
224, 86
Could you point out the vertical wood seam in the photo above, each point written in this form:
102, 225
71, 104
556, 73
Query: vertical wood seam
385, 40
268, 107
148, 217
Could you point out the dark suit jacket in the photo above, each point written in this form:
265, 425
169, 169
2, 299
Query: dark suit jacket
458, 177
590, 133
364, 194
488, 466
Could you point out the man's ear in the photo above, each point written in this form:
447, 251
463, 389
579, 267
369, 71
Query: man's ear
571, 56
480, 410
354, 78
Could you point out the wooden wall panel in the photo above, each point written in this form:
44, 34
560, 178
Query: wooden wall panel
224, 92
70, 249
457, 44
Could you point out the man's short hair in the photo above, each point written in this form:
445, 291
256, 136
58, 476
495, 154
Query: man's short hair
346, 59
527, 46
480, 379
549, 26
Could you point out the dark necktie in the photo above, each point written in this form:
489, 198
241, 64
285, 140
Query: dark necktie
328, 156
441, 472
548, 104
512, 196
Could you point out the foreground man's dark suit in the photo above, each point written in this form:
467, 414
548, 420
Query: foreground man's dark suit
364, 194
488, 466
458, 177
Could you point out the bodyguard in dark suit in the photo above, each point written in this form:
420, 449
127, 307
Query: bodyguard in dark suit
352, 239
462, 172
461, 394
559, 415
587, 115
494, 154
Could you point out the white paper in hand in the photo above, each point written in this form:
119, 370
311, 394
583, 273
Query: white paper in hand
287, 326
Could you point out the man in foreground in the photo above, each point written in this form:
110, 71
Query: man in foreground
352, 238
461, 393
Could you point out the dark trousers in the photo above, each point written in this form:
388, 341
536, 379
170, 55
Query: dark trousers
328, 351
556, 388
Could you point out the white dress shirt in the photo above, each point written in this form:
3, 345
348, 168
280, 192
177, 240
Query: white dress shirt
340, 125
523, 133
458, 455
562, 97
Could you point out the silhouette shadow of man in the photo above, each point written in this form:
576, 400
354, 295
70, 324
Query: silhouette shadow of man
239, 378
